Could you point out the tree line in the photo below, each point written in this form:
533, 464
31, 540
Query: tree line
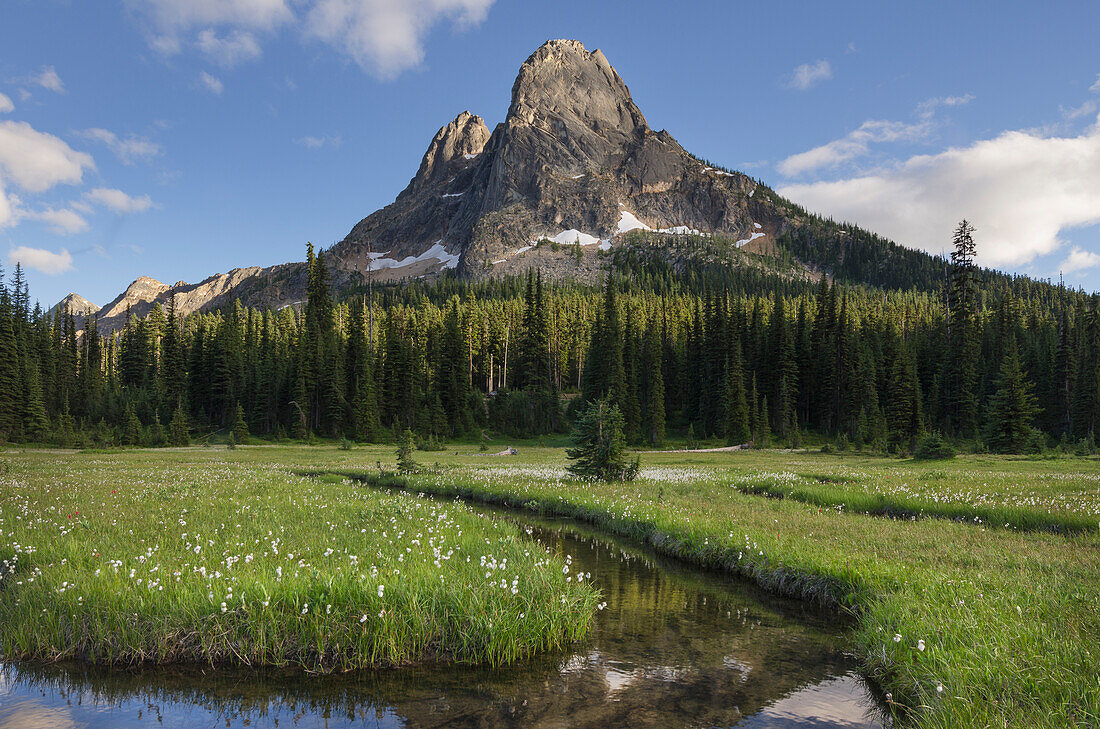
996, 362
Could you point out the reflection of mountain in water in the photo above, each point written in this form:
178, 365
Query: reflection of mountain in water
674, 648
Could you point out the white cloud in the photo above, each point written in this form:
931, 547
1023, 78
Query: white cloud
212, 84
808, 74
167, 45
1087, 109
385, 37
40, 259
62, 222
9, 207
1020, 189
118, 201
36, 161
6, 105
228, 50
856, 143
328, 140
1096, 86
1078, 260
128, 150
47, 78
173, 16
927, 108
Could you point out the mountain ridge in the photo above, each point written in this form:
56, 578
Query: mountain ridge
574, 162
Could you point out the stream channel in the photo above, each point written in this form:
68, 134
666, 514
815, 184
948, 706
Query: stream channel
674, 647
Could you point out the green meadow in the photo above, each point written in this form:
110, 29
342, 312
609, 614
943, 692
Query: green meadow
230, 558
973, 584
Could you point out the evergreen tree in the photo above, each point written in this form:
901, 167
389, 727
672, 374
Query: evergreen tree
454, 379
9, 365
178, 433
962, 401
132, 434
35, 423
65, 426
1086, 380
653, 388
157, 436
630, 400
603, 372
405, 448
240, 426
904, 410
363, 418
737, 412
599, 444
1013, 407
320, 362
173, 370
783, 370
91, 369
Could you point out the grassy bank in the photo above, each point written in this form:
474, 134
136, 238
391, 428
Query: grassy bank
1008, 618
863, 493
964, 625
183, 556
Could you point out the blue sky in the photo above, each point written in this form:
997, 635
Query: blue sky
179, 138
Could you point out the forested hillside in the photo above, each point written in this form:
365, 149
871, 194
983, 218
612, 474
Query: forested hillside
736, 353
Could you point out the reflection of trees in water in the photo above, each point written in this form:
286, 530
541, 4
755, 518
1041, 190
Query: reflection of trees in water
673, 647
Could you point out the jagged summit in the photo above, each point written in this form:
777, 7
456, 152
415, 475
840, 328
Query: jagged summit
563, 83
461, 140
574, 161
76, 305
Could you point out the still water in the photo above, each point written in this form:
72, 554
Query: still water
674, 647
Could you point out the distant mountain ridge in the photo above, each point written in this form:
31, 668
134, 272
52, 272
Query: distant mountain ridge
574, 162
75, 304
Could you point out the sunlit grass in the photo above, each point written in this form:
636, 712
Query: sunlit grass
185, 557
1009, 618
961, 624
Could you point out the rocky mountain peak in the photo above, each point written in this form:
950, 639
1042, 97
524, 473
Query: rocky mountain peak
144, 284
76, 305
463, 139
562, 84
574, 162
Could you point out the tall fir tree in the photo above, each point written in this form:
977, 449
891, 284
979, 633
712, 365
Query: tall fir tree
963, 342
1013, 407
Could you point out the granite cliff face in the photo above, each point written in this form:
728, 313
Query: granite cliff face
574, 161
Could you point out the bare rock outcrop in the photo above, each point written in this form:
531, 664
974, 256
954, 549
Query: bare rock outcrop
574, 161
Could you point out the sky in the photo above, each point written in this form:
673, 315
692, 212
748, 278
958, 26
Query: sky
180, 138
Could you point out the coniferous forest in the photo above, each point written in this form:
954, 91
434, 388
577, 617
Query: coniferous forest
986, 361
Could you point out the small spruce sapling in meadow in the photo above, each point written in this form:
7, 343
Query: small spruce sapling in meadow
933, 447
157, 435
178, 434
240, 426
405, 448
599, 444
132, 436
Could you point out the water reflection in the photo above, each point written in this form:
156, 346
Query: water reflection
674, 647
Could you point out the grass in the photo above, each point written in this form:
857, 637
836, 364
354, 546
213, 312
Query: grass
206, 556
1008, 617
868, 494
961, 624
